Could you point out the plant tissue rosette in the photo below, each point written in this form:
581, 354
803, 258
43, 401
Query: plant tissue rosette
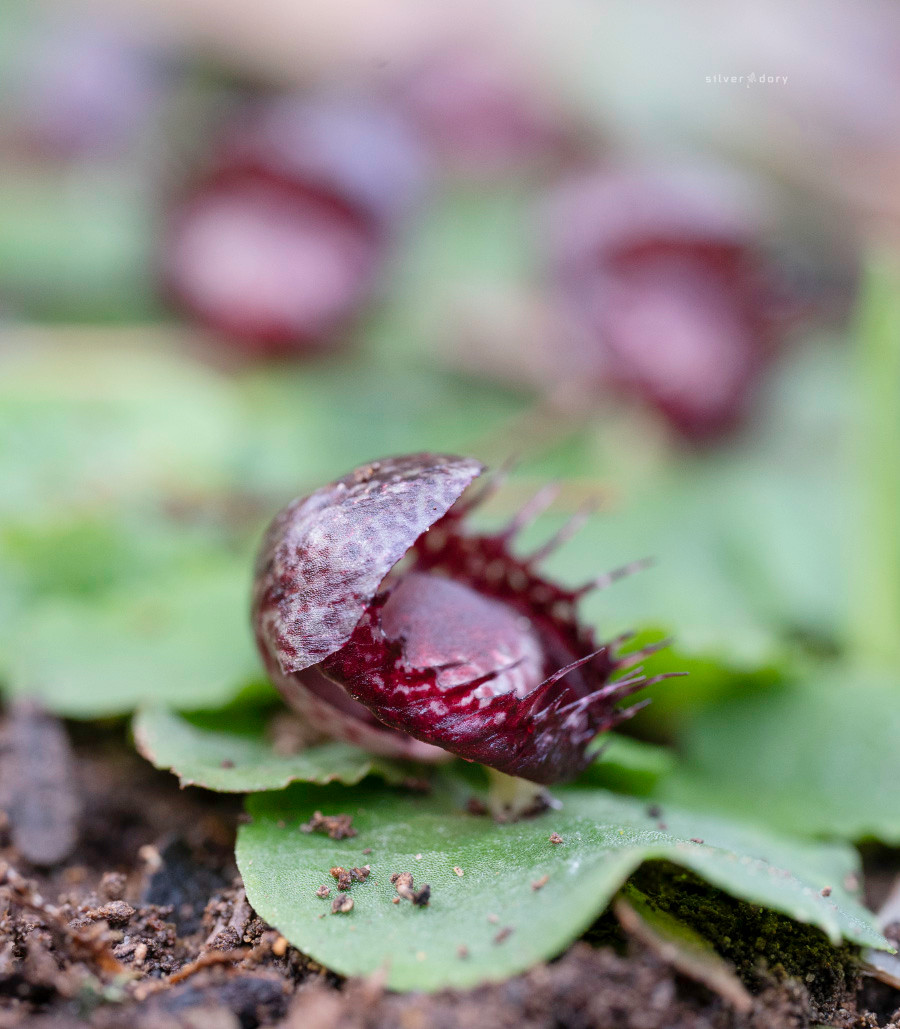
402, 640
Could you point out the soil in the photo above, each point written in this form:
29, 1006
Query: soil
144, 923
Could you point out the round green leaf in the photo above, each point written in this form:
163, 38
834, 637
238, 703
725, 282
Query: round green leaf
244, 762
604, 839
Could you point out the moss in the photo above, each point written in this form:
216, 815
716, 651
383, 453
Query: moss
760, 943
606, 932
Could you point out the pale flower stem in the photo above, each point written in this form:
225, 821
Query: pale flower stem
511, 798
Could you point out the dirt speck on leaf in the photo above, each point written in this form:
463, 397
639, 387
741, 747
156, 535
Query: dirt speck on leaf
342, 877
335, 827
403, 884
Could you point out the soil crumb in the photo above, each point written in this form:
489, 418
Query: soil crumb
341, 904
336, 827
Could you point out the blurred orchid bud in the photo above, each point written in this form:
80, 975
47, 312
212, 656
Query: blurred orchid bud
481, 117
666, 291
280, 240
87, 89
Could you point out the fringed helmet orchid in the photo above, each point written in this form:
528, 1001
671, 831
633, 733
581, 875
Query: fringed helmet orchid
387, 624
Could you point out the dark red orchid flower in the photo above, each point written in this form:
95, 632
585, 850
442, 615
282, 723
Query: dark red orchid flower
387, 624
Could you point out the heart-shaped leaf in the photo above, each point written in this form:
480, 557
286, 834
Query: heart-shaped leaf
235, 761
506, 896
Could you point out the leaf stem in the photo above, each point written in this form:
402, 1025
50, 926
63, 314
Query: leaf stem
874, 617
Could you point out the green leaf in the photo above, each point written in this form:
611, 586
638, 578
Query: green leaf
181, 639
605, 838
472, 243
627, 765
305, 425
201, 754
732, 580
86, 424
77, 244
85, 555
817, 758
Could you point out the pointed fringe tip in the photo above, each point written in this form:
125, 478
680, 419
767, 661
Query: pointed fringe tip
603, 582
617, 641
623, 714
492, 484
564, 671
570, 529
471, 684
531, 510
635, 657
609, 694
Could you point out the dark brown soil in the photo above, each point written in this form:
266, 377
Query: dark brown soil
144, 924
